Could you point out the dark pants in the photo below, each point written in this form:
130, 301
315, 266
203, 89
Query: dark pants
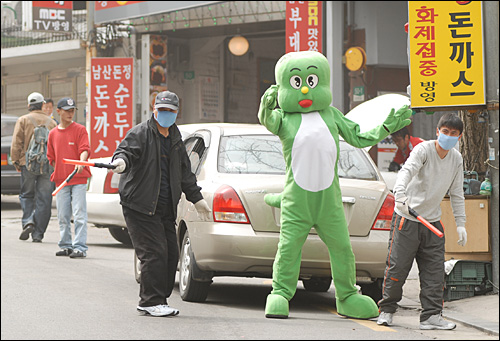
36, 201
411, 240
155, 243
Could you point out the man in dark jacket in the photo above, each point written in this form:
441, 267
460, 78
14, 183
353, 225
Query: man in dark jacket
156, 170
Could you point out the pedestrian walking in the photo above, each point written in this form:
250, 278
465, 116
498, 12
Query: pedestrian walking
36, 188
70, 140
433, 169
156, 170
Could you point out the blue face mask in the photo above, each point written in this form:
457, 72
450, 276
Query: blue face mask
166, 118
447, 142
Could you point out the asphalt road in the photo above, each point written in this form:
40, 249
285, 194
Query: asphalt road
49, 297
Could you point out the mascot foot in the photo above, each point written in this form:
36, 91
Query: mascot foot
276, 307
358, 306
273, 200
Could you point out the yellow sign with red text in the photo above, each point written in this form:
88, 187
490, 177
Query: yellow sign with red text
446, 53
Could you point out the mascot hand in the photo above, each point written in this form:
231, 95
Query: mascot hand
398, 120
269, 98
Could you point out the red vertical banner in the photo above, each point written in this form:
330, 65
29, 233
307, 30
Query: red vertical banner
304, 26
111, 103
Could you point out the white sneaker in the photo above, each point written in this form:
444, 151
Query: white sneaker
385, 319
176, 311
159, 310
437, 322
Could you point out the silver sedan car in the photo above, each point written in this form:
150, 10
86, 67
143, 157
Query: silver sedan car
11, 178
236, 166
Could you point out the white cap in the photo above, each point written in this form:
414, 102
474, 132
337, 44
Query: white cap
35, 97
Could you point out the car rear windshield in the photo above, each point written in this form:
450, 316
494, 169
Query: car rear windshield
262, 154
251, 154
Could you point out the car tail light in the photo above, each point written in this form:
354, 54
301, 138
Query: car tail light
384, 217
111, 182
227, 206
5, 159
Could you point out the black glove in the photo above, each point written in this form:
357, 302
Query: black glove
394, 166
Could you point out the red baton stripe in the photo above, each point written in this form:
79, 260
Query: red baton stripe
430, 227
65, 182
78, 162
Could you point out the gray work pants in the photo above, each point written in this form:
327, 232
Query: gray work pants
411, 240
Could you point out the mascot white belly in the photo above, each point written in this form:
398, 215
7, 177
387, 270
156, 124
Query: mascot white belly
314, 154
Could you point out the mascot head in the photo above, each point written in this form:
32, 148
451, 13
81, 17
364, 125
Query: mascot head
303, 80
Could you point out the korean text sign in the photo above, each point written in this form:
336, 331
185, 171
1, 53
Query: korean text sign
304, 26
111, 107
52, 16
446, 53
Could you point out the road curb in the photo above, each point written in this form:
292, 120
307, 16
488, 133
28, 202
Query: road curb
480, 324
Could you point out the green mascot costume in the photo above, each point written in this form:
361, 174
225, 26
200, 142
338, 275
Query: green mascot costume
309, 130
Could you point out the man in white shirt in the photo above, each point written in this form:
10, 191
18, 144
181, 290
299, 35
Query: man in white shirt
433, 169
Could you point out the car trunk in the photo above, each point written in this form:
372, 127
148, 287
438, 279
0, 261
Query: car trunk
362, 201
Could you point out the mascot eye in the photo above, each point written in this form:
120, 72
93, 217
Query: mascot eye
312, 81
296, 82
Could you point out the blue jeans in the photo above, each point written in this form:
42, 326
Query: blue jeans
71, 200
36, 201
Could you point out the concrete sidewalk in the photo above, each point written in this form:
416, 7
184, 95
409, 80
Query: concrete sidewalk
480, 312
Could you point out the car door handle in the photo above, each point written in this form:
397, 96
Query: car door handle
349, 200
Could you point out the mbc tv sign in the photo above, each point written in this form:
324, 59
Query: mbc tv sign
52, 16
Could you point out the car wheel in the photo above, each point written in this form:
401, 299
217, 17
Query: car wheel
121, 235
137, 268
190, 289
317, 284
374, 290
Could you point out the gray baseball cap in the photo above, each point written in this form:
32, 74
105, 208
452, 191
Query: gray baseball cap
167, 99
35, 97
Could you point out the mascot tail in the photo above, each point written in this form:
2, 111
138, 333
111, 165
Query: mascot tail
273, 200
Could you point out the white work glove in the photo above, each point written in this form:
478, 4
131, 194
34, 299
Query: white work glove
402, 205
119, 165
462, 236
203, 210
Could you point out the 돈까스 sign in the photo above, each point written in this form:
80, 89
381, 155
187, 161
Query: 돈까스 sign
111, 103
446, 53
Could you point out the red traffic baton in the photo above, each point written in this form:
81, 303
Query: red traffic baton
89, 163
65, 182
425, 222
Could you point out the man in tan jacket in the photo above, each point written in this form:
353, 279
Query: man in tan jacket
36, 189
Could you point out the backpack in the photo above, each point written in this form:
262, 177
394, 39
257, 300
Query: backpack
36, 155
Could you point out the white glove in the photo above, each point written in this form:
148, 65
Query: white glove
119, 165
402, 205
203, 210
462, 236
